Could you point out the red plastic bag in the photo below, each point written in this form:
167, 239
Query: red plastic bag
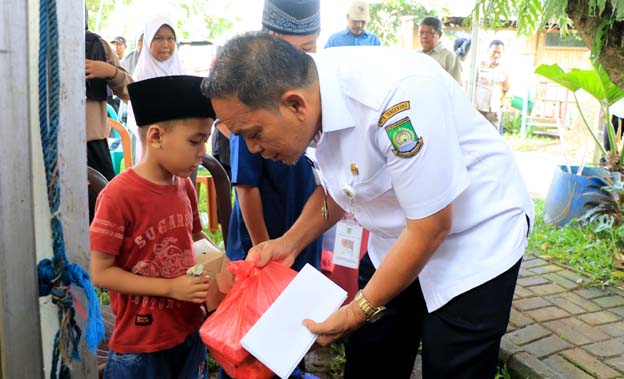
327, 266
254, 290
250, 368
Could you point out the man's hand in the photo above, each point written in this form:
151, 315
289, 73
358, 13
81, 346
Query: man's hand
99, 70
340, 323
187, 288
280, 250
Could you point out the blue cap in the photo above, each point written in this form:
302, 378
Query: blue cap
294, 17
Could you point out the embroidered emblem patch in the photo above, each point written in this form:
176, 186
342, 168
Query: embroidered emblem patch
404, 139
397, 108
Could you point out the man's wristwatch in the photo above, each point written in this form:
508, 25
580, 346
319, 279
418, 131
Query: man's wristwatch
371, 313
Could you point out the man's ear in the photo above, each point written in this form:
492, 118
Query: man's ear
154, 135
295, 101
220, 125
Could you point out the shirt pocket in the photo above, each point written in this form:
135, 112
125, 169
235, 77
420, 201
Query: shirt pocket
366, 191
376, 207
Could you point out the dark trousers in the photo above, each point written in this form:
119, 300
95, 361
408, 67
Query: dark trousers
459, 340
98, 158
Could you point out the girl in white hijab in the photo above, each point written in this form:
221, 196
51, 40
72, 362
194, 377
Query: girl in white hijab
159, 57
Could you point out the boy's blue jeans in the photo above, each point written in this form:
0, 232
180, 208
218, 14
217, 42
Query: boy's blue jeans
187, 360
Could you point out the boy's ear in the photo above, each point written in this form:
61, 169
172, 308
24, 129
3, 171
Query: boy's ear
154, 136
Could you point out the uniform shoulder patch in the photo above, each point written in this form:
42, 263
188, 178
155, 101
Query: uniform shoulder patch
388, 113
405, 141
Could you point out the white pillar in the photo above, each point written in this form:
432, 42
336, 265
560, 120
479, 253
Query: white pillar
25, 337
73, 152
20, 333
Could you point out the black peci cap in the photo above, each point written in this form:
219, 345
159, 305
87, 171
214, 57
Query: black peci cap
294, 17
168, 98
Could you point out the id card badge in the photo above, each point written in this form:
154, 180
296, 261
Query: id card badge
347, 244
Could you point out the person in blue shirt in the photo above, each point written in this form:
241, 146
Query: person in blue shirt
354, 34
270, 195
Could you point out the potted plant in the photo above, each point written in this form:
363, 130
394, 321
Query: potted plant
605, 213
573, 186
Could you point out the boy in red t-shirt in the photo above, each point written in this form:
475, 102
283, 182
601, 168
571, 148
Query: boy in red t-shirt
146, 220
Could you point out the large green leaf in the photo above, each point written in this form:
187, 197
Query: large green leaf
557, 75
612, 92
596, 82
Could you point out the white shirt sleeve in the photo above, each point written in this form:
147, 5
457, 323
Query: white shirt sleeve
425, 160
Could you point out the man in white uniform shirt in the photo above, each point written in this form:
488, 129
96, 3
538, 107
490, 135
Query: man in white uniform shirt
399, 148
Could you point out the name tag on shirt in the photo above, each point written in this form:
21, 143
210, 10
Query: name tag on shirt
347, 244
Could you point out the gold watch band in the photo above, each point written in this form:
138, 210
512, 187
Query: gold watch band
371, 312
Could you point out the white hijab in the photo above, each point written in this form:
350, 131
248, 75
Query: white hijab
149, 67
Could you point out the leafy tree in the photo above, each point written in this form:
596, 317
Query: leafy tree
600, 23
196, 23
385, 17
93, 8
197, 17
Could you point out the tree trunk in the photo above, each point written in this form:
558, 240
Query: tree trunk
612, 54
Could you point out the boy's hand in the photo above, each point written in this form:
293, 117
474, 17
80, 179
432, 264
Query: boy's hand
192, 289
99, 70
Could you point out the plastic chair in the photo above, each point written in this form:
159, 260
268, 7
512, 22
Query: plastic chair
211, 200
95, 183
126, 146
218, 195
110, 111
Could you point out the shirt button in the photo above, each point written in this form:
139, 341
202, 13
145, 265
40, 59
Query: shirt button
348, 191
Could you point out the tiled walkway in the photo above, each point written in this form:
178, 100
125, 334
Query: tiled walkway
558, 329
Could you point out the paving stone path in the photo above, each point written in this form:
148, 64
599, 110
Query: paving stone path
558, 329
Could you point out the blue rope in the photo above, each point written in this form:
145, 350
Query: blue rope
56, 275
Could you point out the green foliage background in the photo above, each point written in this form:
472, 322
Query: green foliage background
386, 17
197, 24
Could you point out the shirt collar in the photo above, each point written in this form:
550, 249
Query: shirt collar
335, 115
434, 49
348, 32
437, 47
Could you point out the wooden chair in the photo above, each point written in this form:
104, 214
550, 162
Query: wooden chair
126, 143
218, 193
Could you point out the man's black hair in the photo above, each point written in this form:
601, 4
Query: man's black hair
258, 68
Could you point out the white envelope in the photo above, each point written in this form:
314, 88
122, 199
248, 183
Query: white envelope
278, 339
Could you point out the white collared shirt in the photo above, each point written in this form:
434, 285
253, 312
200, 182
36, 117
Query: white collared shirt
461, 160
